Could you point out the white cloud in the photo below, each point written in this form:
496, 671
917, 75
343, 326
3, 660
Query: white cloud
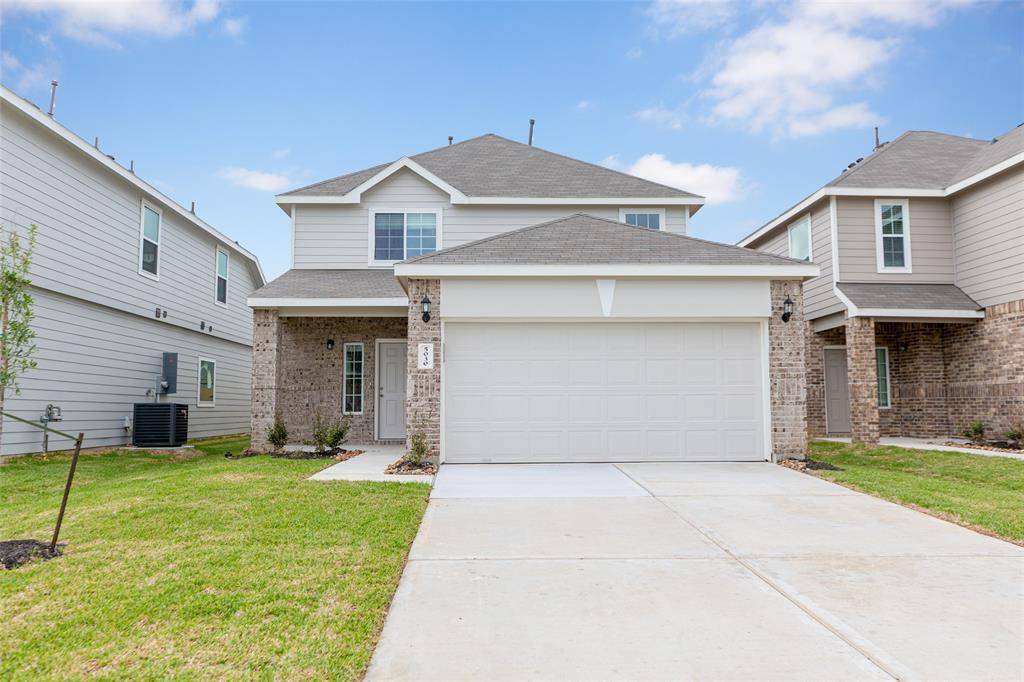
679, 17
253, 179
584, 105
9, 61
280, 153
634, 53
99, 21
792, 74
719, 184
235, 26
25, 78
673, 119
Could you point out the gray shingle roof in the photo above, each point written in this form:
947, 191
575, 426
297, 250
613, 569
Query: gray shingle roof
585, 239
493, 166
908, 296
993, 152
301, 283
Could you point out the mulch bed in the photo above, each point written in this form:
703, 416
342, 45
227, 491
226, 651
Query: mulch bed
403, 466
337, 454
805, 464
15, 553
998, 446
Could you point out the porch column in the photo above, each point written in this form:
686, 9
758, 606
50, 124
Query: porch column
423, 386
787, 372
815, 353
862, 379
266, 335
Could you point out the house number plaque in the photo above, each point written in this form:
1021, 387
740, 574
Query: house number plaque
425, 356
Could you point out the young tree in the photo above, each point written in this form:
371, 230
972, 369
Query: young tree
16, 337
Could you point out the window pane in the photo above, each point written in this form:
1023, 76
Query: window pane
892, 252
420, 234
353, 380
654, 221
150, 252
207, 381
222, 264
388, 236
800, 240
649, 220
882, 368
222, 290
151, 224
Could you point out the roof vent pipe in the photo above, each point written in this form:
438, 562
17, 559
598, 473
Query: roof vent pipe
877, 145
450, 138
53, 97
530, 140
193, 209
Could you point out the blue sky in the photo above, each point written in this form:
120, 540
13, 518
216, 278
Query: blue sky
753, 104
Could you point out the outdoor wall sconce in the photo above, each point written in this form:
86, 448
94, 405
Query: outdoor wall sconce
330, 344
904, 347
425, 304
787, 309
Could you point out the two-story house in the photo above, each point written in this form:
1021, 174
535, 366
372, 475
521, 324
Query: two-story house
916, 325
517, 305
121, 275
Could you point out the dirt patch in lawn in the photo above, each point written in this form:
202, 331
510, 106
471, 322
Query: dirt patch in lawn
15, 553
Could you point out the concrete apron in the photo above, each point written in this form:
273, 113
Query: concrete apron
706, 571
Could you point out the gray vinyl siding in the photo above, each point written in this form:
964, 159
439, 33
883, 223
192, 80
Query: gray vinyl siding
819, 298
95, 363
88, 223
338, 235
931, 241
988, 228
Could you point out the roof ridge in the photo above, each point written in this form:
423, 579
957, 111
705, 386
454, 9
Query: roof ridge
339, 177
873, 156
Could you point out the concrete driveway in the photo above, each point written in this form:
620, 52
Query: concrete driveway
696, 571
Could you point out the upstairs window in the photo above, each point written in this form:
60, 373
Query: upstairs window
800, 239
397, 236
892, 239
639, 217
149, 249
222, 277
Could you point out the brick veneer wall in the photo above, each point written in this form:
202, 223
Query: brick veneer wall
862, 378
423, 386
984, 369
787, 372
265, 341
917, 377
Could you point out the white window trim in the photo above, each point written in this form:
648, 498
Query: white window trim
888, 377
216, 276
143, 238
879, 251
645, 209
810, 240
199, 382
372, 213
362, 374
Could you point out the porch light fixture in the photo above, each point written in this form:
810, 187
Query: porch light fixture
425, 305
787, 309
330, 344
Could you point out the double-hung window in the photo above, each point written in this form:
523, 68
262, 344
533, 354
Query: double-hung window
398, 235
352, 390
207, 382
882, 369
149, 236
892, 235
800, 239
653, 219
221, 291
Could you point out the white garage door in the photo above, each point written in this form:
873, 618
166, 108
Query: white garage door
592, 392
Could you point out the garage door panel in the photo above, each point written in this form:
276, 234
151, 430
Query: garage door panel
603, 392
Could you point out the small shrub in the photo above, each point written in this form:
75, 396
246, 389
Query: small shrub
419, 451
278, 434
328, 433
337, 431
975, 431
1015, 433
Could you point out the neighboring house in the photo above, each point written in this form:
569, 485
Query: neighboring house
516, 305
916, 325
121, 275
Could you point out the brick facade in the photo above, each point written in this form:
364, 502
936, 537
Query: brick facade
787, 372
862, 379
423, 386
917, 377
266, 338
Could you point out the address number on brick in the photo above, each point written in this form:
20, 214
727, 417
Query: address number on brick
425, 356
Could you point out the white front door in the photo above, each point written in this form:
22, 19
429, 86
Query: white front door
391, 370
598, 392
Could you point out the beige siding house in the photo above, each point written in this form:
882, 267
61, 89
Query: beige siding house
515, 305
916, 325
121, 275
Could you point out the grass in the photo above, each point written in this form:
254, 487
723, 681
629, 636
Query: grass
199, 567
986, 493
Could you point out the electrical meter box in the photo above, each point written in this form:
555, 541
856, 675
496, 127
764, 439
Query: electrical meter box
170, 373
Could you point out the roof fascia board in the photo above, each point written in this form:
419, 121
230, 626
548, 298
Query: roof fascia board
285, 200
985, 174
293, 302
44, 120
796, 270
918, 312
785, 217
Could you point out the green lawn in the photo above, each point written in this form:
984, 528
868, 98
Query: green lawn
985, 492
200, 567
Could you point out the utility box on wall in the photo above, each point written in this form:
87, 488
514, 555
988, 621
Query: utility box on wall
170, 373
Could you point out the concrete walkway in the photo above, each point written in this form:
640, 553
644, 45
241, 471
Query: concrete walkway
694, 571
929, 444
369, 466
